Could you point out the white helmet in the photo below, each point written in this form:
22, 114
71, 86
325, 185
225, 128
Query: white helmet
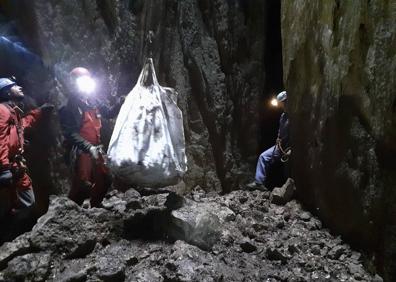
282, 96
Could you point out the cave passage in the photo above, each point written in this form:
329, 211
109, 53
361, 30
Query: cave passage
227, 59
19, 25
268, 118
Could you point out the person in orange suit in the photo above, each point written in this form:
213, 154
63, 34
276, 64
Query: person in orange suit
14, 179
80, 119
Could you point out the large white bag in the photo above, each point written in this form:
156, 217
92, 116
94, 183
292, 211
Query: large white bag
147, 148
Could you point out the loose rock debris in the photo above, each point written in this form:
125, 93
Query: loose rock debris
241, 236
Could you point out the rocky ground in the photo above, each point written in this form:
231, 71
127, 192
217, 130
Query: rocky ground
241, 236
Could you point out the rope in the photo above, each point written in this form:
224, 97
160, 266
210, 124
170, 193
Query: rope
284, 152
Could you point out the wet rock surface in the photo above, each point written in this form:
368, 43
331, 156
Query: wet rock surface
339, 70
241, 236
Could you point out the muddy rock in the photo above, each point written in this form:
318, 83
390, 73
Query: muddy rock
18, 247
200, 223
167, 237
69, 229
282, 195
189, 263
30, 267
247, 246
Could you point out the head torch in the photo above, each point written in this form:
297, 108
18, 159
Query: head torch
86, 84
274, 102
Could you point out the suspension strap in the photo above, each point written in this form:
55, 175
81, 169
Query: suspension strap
17, 122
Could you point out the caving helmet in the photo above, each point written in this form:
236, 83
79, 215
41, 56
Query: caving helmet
5, 85
82, 79
79, 71
282, 96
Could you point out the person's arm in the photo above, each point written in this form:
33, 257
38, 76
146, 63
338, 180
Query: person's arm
31, 118
71, 130
4, 136
113, 110
283, 132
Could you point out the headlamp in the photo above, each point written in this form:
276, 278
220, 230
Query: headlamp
274, 102
86, 84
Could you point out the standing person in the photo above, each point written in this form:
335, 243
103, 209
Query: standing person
279, 151
80, 120
15, 184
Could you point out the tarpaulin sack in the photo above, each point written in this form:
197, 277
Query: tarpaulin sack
147, 147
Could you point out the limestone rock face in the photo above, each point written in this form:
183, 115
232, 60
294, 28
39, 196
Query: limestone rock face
339, 70
211, 52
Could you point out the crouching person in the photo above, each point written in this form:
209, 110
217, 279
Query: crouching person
80, 120
17, 196
279, 152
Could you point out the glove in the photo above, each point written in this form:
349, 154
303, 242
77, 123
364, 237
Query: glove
94, 151
47, 108
6, 178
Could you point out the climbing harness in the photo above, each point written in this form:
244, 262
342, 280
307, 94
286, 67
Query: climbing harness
21, 168
284, 152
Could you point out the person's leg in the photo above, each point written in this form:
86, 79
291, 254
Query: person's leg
75, 193
4, 203
101, 185
8, 199
263, 163
22, 217
24, 192
24, 210
81, 183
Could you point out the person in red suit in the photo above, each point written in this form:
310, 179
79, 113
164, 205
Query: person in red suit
15, 183
80, 119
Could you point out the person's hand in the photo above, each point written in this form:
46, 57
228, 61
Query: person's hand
47, 108
94, 152
5, 178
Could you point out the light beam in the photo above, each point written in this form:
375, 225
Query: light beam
86, 84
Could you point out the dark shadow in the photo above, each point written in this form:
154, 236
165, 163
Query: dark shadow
150, 226
268, 115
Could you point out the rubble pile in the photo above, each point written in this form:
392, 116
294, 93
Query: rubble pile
240, 236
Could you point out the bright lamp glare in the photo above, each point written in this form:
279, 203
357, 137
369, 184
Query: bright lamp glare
86, 84
274, 102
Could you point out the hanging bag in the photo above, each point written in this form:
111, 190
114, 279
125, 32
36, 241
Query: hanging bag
147, 147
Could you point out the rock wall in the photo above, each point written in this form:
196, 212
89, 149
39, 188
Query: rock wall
212, 52
339, 70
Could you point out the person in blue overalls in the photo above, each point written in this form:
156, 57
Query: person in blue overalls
280, 151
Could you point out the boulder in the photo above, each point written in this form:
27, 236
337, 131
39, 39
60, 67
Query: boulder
284, 194
18, 247
200, 224
29, 267
70, 230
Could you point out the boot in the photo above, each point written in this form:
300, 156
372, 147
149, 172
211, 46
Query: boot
256, 186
